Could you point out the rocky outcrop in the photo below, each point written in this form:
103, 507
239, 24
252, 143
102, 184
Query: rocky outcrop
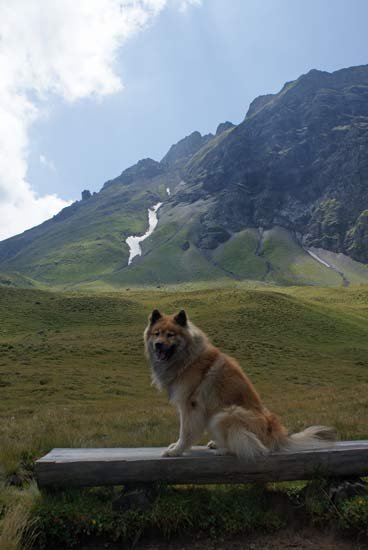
356, 240
86, 194
327, 226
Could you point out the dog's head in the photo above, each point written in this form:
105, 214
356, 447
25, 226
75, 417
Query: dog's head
166, 336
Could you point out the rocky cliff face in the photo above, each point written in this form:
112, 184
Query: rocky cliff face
298, 160
356, 239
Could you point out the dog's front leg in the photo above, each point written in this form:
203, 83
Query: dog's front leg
192, 424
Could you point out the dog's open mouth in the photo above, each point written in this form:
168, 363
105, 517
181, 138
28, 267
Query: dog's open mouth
164, 354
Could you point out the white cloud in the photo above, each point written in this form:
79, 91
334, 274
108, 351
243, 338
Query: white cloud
65, 48
48, 163
185, 4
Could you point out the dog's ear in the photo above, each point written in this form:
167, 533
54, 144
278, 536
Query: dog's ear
181, 318
155, 316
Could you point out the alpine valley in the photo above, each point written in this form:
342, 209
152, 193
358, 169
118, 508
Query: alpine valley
281, 198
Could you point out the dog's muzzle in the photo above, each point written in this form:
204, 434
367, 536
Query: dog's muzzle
162, 352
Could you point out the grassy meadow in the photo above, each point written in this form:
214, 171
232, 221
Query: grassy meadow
73, 373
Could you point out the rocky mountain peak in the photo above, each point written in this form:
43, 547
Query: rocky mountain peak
258, 103
144, 169
223, 126
185, 148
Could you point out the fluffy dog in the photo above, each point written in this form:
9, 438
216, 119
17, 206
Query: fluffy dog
212, 393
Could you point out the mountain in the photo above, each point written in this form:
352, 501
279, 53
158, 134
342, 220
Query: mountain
298, 160
281, 197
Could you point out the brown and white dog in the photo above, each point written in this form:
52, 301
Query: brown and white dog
212, 393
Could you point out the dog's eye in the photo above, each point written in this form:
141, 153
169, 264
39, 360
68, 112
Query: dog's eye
156, 333
170, 334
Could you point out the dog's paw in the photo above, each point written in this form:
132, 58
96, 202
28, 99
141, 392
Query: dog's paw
172, 450
212, 445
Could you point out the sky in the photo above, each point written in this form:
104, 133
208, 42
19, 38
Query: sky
89, 87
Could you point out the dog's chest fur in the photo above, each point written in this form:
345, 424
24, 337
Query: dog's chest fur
197, 387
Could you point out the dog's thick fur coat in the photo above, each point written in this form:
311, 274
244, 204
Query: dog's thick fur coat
212, 393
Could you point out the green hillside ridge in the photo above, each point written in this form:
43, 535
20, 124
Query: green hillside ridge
167, 263
14, 279
241, 256
290, 264
91, 241
354, 272
272, 256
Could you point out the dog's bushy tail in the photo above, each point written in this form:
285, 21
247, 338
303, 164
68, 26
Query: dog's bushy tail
249, 435
314, 437
246, 444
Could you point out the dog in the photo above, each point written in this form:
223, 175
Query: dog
211, 392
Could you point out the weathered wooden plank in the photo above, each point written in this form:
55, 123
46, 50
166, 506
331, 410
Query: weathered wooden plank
117, 466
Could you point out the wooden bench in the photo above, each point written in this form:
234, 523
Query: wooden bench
118, 466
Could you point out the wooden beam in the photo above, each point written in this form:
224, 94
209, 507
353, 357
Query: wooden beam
93, 467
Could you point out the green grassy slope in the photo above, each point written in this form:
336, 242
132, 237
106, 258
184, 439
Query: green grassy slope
239, 256
291, 265
272, 256
87, 240
72, 373
355, 272
80, 358
164, 261
14, 279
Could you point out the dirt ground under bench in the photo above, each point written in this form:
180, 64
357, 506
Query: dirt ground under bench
309, 539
